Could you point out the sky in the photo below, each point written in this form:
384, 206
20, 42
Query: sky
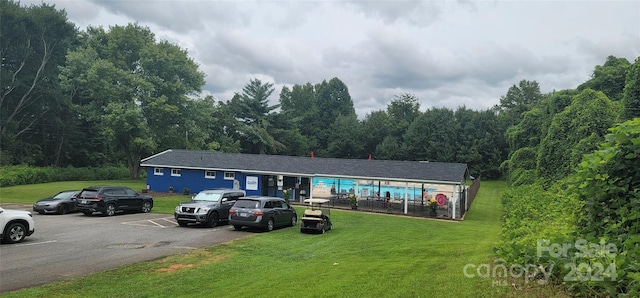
445, 53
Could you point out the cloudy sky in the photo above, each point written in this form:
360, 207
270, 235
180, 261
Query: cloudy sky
446, 53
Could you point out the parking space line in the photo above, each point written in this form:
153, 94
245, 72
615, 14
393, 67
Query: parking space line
171, 221
151, 223
157, 224
131, 223
36, 243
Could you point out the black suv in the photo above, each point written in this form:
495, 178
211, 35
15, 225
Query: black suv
110, 199
208, 207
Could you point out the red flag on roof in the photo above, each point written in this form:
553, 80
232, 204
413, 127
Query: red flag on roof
311, 154
369, 157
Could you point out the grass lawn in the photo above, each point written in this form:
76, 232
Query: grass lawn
29, 194
365, 255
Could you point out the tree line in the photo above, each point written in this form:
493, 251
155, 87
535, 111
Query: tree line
102, 97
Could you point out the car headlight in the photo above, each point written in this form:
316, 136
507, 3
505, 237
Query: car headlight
203, 210
177, 208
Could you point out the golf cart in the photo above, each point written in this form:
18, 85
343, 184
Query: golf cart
316, 218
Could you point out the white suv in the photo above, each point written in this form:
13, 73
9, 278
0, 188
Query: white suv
15, 225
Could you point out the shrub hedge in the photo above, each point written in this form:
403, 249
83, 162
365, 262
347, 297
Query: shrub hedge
20, 175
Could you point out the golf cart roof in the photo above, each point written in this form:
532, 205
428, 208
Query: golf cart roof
316, 201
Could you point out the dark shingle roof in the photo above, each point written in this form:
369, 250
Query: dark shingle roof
411, 171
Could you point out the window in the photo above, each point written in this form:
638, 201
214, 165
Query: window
277, 204
175, 172
210, 174
158, 171
249, 204
229, 175
268, 205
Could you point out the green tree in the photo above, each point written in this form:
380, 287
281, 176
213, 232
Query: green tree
518, 100
253, 104
332, 100
403, 110
300, 113
374, 129
391, 148
125, 71
609, 78
124, 123
34, 120
573, 132
479, 142
631, 97
201, 125
431, 136
223, 128
343, 138
252, 109
526, 136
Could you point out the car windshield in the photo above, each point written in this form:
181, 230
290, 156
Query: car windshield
249, 204
207, 196
64, 195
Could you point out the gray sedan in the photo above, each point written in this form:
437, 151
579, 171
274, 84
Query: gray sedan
60, 203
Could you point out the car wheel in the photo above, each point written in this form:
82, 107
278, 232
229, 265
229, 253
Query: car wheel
324, 227
237, 228
62, 209
294, 220
269, 227
109, 210
42, 212
183, 223
213, 220
146, 207
87, 213
15, 233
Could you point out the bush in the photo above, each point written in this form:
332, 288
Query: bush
594, 213
21, 175
608, 182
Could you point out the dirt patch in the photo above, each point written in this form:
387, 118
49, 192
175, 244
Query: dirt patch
175, 267
190, 260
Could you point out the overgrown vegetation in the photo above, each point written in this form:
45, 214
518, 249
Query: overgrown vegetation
584, 229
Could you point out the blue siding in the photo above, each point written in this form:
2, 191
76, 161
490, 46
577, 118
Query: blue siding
195, 180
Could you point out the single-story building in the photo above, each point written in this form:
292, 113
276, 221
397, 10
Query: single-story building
307, 177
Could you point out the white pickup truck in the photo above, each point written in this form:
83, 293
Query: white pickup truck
15, 225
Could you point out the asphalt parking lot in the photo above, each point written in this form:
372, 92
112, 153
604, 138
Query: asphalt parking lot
73, 245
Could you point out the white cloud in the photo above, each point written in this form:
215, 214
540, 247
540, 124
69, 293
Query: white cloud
447, 53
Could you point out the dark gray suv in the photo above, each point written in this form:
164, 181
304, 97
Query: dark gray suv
262, 212
208, 207
111, 199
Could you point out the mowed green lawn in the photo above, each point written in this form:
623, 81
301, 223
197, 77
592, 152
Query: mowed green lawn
365, 255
